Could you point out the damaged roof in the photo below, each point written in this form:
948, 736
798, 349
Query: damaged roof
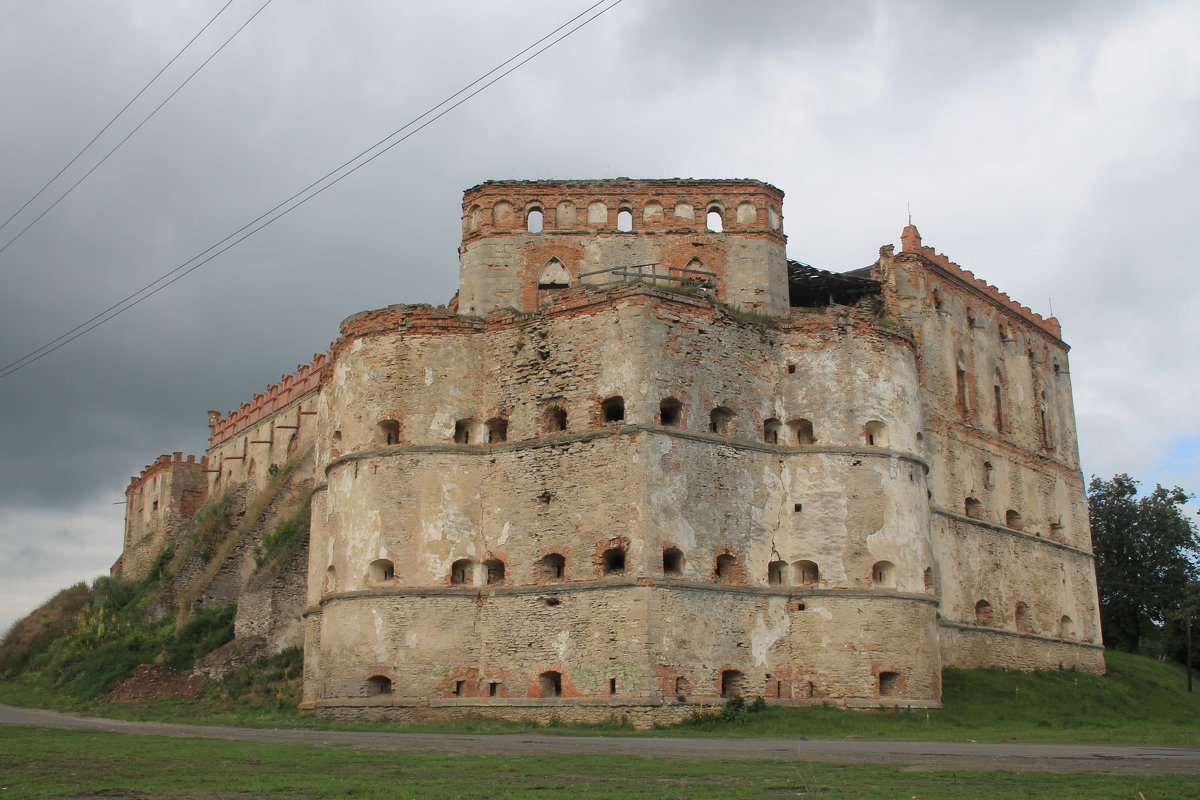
809, 287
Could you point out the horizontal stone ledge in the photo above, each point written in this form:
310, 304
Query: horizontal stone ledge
553, 589
561, 439
981, 523
643, 702
1038, 637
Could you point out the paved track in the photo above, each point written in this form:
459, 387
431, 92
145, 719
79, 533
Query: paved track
1120, 759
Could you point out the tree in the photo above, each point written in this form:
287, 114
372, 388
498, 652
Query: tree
1146, 550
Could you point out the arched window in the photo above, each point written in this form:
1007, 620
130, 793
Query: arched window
534, 220
381, 571
685, 211
554, 275
876, 433
670, 411
998, 401
928, 577
624, 220
652, 212
597, 213
1013, 519
725, 568
732, 683
462, 572
502, 214
720, 420
468, 431
983, 613
883, 574
612, 561
962, 390
806, 573
472, 220
495, 571
552, 567
773, 220
890, 684
1066, 628
331, 582
555, 419
672, 561
802, 431
747, 214
387, 432
1023, 618
771, 431
973, 508
988, 473
777, 573
550, 684
613, 409
564, 215
379, 684
497, 430
1044, 423
714, 219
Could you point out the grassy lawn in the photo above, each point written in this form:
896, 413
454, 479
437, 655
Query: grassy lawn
38, 763
1139, 701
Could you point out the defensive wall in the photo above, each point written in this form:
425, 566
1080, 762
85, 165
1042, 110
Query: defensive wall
642, 462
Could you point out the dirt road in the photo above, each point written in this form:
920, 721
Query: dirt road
1118, 759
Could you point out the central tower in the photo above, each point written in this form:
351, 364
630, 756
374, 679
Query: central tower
525, 240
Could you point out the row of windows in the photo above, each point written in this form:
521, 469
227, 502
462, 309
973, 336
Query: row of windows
727, 568
721, 420
1022, 619
964, 402
729, 682
566, 215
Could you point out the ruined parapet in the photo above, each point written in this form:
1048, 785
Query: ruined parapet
158, 502
523, 240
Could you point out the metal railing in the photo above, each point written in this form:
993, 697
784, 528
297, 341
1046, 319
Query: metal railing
652, 273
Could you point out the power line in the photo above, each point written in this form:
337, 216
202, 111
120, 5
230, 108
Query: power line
129, 135
304, 195
117, 116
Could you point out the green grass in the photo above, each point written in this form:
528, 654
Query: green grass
40, 763
1139, 701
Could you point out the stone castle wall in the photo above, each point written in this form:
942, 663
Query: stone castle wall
594, 485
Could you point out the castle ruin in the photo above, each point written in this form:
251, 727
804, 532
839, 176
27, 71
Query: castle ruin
643, 461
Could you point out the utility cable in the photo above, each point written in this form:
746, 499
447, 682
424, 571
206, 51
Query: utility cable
304, 195
117, 116
129, 135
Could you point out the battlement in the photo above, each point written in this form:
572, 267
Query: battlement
910, 243
305, 379
161, 465
676, 204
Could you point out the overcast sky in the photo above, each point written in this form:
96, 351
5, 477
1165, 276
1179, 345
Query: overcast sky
1051, 147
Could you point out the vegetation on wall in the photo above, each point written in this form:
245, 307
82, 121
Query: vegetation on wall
278, 544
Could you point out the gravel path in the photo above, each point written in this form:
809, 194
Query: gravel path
1117, 759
